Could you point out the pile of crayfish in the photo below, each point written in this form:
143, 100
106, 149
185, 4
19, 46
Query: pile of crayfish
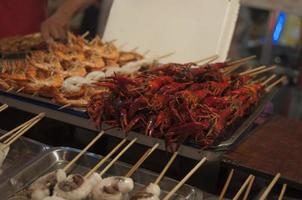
177, 102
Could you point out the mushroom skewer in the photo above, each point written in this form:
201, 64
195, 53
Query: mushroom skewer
77, 187
43, 186
113, 187
152, 191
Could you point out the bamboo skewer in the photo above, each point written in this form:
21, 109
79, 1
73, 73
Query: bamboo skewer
208, 59
252, 70
20, 90
163, 172
117, 157
141, 160
226, 185
146, 52
100, 134
199, 164
270, 187
249, 187
270, 87
85, 34
165, 56
242, 60
102, 161
9, 89
19, 133
262, 71
268, 80
3, 107
64, 106
17, 128
134, 49
282, 192
13, 133
245, 184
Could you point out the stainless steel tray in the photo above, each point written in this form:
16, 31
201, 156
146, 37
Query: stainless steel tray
58, 157
21, 152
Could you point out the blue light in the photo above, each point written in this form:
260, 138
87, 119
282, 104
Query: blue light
279, 27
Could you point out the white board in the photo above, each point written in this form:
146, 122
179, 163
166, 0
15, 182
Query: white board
193, 29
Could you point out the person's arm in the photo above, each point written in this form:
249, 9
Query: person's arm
56, 26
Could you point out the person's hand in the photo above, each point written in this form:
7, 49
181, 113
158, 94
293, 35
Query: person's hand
55, 27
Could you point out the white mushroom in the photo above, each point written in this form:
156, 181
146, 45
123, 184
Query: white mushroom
113, 188
75, 187
43, 186
151, 192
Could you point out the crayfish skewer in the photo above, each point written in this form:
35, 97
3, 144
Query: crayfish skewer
263, 71
281, 80
252, 70
226, 185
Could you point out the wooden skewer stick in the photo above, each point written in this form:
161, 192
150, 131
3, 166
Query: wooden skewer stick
270, 187
262, 71
252, 70
146, 52
208, 59
199, 164
163, 172
85, 34
245, 184
122, 46
268, 80
3, 107
117, 157
20, 90
9, 89
13, 133
134, 49
21, 132
242, 60
270, 87
249, 187
282, 192
102, 161
18, 127
141, 160
165, 56
112, 41
65, 106
83, 151
231, 68
226, 185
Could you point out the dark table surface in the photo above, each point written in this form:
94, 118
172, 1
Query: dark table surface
275, 147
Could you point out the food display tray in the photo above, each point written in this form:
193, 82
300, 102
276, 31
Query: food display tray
21, 152
58, 157
80, 118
